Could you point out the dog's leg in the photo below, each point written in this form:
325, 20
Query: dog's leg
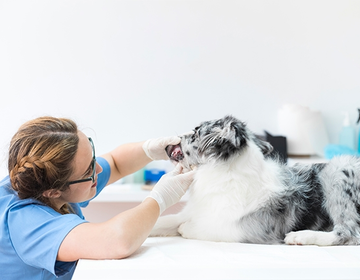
167, 225
311, 237
341, 187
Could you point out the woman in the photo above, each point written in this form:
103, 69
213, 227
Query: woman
52, 172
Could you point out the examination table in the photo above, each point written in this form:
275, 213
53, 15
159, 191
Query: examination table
178, 258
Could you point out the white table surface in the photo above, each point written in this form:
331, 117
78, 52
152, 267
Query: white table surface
179, 258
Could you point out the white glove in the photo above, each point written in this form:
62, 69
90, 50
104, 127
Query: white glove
171, 187
155, 148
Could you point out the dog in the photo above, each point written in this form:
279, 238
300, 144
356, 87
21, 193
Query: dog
242, 193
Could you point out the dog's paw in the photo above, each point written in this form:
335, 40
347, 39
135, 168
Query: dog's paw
163, 232
310, 237
186, 230
181, 230
304, 237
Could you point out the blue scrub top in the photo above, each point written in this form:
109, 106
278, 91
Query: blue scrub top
31, 234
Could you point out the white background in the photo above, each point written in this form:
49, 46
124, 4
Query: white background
130, 70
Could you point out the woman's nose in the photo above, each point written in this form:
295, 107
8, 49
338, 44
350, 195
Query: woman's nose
98, 168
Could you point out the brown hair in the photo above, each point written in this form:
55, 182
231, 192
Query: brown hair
40, 157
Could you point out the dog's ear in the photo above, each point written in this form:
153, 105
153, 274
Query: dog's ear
265, 147
223, 137
240, 134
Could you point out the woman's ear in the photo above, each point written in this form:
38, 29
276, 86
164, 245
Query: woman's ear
52, 193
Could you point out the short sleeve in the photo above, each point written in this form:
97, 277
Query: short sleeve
103, 178
36, 234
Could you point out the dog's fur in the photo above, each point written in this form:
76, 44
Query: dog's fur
241, 194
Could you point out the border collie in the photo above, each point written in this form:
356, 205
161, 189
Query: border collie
241, 193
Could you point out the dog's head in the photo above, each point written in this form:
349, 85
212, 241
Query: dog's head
217, 140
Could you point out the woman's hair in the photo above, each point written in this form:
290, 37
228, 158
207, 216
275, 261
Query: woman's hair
41, 157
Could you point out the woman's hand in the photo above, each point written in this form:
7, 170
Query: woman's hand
155, 148
171, 187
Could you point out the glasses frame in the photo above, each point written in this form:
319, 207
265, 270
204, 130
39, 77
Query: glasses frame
92, 177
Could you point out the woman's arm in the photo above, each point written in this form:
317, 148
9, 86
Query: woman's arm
126, 159
122, 235
116, 238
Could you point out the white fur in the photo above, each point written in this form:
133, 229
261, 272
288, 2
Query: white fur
247, 181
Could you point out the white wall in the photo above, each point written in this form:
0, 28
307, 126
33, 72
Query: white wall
130, 70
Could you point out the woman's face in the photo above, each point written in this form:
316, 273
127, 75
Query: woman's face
79, 192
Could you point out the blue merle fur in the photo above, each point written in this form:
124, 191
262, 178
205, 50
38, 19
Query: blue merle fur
320, 197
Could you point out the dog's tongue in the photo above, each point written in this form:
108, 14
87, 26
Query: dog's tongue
174, 152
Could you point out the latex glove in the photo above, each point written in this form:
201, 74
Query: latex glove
155, 148
171, 187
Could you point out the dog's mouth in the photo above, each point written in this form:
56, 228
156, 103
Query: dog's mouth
174, 152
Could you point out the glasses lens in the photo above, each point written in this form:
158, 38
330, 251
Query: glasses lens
94, 161
92, 178
93, 172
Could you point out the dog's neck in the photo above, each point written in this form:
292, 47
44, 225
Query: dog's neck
249, 170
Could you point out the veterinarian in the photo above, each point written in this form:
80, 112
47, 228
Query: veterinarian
52, 172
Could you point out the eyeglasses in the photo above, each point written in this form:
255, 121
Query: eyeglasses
93, 164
